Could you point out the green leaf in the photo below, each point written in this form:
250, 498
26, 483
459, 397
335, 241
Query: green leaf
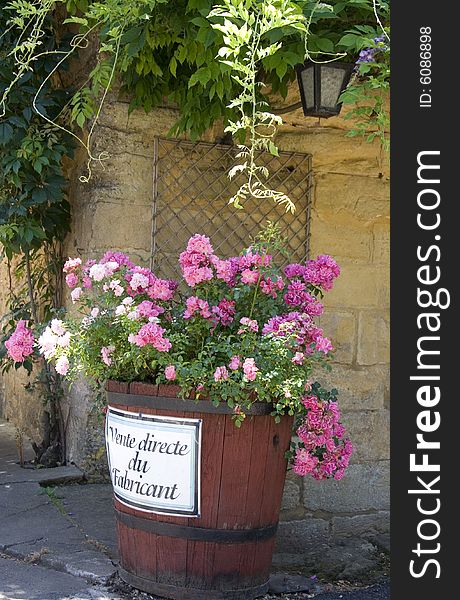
325, 44
203, 75
6, 133
78, 20
80, 119
17, 121
272, 149
173, 66
349, 40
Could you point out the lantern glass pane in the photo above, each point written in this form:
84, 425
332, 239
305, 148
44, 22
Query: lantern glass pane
331, 84
308, 84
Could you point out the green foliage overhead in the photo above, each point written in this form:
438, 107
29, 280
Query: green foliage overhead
167, 52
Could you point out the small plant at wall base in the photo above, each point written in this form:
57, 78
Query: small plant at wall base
34, 218
244, 332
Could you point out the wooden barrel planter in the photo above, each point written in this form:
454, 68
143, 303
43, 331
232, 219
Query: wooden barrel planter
225, 552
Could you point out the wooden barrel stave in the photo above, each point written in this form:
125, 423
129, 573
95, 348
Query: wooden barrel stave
242, 486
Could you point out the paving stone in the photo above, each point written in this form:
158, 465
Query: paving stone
91, 506
19, 581
33, 528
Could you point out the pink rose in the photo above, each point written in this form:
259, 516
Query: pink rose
323, 345
87, 283
234, 363
71, 263
20, 344
57, 327
248, 276
220, 373
62, 365
106, 351
98, 272
71, 279
298, 358
250, 324
250, 369
76, 293
170, 372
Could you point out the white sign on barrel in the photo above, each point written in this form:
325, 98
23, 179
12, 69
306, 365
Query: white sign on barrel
154, 461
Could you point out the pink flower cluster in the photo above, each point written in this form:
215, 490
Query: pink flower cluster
194, 305
227, 270
142, 281
224, 312
120, 258
298, 296
320, 272
20, 344
270, 286
324, 452
250, 369
170, 373
199, 263
248, 325
151, 333
71, 264
148, 309
196, 260
220, 374
106, 354
308, 337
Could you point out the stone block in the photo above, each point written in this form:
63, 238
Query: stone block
350, 199
346, 244
364, 487
116, 115
303, 535
291, 495
368, 525
360, 286
332, 150
120, 224
359, 388
381, 243
373, 338
351, 560
370, 434
340, 327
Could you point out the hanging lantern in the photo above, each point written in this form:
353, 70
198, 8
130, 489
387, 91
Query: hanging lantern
321, 85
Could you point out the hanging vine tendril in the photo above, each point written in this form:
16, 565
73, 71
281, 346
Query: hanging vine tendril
30, 17
246, 44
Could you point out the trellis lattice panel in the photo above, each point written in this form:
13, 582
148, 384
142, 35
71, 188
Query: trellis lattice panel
191, 190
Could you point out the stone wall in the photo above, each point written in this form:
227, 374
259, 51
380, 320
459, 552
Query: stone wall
350, 220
